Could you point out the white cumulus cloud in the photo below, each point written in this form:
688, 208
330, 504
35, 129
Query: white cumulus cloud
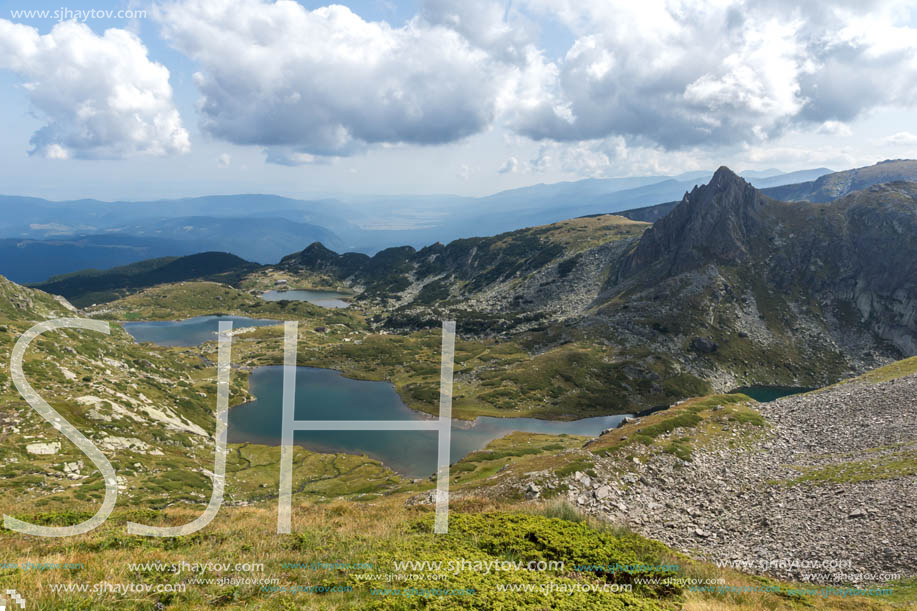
326, 82
102, 96
655, 75
717, 72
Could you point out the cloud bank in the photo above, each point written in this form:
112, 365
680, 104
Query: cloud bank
679, 74
311, 85
669, 74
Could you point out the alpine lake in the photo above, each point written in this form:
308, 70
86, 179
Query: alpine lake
325, 394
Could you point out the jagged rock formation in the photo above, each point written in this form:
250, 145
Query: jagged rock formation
786, 282
826, 188
719, 222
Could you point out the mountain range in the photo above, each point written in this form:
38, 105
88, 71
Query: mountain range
39, 238
732, 287
824, 188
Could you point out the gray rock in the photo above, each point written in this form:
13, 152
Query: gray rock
703, 345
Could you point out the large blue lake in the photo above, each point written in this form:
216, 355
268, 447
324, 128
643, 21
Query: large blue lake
324, 394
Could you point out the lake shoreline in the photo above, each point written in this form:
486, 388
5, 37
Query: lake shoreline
330, 395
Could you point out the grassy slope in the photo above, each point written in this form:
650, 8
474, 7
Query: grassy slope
346, 509
97, 286
579, 234
380, 533
898, 369
368, 528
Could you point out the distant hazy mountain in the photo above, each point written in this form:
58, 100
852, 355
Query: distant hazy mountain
763, 182
264, 240
92, 286
25, 261
750, 175
93, 234
39, 218
47, 238
838, 184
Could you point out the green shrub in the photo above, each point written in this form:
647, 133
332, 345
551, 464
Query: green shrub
572, 467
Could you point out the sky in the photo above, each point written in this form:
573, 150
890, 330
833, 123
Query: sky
179, 98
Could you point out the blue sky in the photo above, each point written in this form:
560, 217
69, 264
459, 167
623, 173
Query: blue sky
440, 96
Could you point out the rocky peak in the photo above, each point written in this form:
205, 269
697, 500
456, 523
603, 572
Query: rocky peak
315, 257
714, 222
313, 253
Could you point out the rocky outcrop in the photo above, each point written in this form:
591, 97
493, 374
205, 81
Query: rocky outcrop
719, 222
784, 282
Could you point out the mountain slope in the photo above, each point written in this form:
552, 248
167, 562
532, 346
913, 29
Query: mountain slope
551, 271
733, 286
838, 184
93, 286
18, 303
839, 464
756, 290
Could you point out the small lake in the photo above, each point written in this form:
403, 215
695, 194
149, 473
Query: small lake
326, 299
765, 394
190, 332
324, 394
